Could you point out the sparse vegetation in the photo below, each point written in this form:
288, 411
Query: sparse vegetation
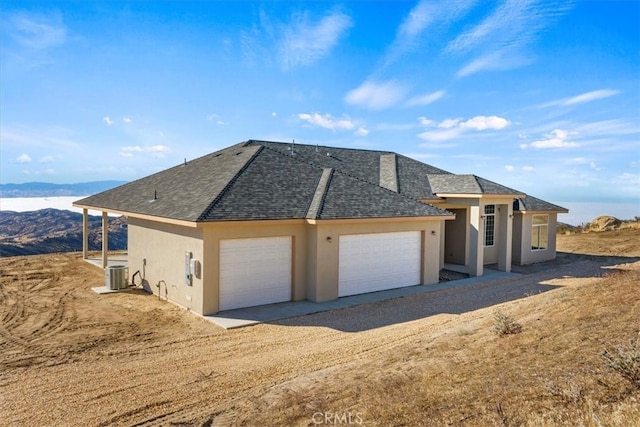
505, 325
625, 361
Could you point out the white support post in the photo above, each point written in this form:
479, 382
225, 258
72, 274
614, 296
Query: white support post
85, 234
105, 239
476, 240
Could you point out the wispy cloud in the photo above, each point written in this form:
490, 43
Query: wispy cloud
593, 95
327, 121
425, 15
375, 95
425, 99
499, 41
35, 31
107, 120
303, 41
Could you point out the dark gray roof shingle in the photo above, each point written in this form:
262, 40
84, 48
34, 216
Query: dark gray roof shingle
468, 184
258, 181
532, 204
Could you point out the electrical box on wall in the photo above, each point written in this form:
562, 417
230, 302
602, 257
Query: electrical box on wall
194, 268
188, 277
191, 268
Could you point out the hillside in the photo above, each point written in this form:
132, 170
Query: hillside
52, 230
71, 357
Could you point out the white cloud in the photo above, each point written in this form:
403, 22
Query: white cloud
274, 114
156, 151
454, 128
304, 42
376, 96
509, 168
426, 98
47, 159
528, 168
37, 32
362, 131
486, 122
557, 138
23, 158
127, 120
449, 123
441, 135
327, 121
107, 120
425, 121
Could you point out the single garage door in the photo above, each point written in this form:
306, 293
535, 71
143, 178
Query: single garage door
254, 272
375, 262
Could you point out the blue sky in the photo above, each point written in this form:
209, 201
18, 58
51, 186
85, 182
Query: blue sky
541, 96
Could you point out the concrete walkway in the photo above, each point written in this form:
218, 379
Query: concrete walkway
267, 313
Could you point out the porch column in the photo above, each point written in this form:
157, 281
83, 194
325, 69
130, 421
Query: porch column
85, 234
476, 241
505, 219
105, 239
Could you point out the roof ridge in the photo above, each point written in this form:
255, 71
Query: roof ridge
321, 192
229, 184
258, 141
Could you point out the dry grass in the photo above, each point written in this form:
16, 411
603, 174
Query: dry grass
550, 374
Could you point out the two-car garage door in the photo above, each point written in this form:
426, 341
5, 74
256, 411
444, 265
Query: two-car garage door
258, 271
254, 271
379, 261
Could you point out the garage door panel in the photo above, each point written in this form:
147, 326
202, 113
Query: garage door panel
254, 272
375, 262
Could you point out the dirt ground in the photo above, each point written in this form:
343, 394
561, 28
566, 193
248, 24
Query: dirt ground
70, 357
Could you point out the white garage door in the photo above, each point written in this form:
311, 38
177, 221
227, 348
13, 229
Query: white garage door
374, 262
254, 272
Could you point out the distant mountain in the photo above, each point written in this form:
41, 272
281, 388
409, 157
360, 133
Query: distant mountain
47, 189
54, 230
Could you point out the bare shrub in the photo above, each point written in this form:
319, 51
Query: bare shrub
625, 361
505, 325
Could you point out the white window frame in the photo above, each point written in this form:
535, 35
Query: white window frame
489, 225
537, 230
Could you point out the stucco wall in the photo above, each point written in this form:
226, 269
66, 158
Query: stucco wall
314, 260
524, 254
157, 250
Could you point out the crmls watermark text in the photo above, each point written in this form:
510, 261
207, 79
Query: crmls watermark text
337, 418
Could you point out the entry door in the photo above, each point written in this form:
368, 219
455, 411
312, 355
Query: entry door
379, 261
455, 238
254, 271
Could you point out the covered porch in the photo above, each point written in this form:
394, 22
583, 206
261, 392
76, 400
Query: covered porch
104, 258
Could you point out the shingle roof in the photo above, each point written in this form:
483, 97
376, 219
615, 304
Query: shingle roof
468, 184
258, 180
255, 181
532, 204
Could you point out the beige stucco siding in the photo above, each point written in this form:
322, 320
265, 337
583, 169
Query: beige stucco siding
315, 254
522, 252
157, 250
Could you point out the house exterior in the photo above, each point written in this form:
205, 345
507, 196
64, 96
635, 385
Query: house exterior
263, 222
